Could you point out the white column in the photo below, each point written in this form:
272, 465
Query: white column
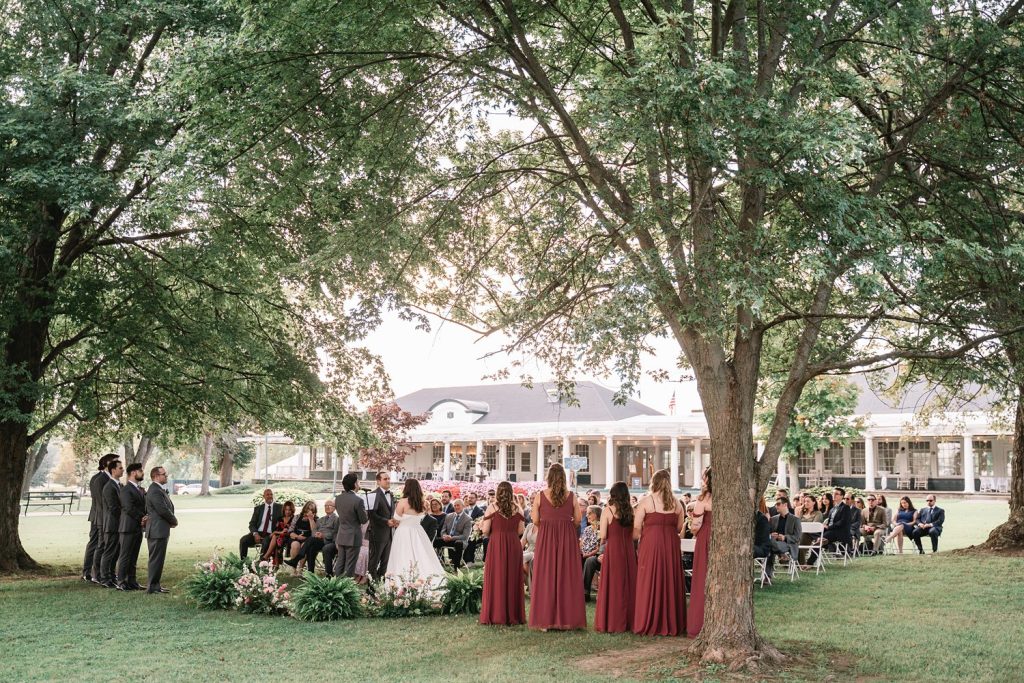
968, 451
780, 472
673, 458
478, 469
698, 461
565, 448
502, 459
759, 449
346, 464
609, 461
540, 458
446, 470
869, 463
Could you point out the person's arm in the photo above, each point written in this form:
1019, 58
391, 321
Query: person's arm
606, 519
375, 516
254, 521
697, 517
161, 508
577, 516
680, 518
361, 511
485, 523
795, 530
638, 519
535, 508
521, 529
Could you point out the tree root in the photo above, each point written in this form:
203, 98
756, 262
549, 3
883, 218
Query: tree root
20, 562
748, 655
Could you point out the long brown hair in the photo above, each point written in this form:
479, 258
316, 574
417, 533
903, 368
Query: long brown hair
414, 494
503, 499
288, 503
661, 484
619, 496
556, 484
309, 503
705, 489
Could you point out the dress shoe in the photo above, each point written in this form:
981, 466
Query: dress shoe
96, 581
122, 587
158, 589
108, 584
135, 587
86, 578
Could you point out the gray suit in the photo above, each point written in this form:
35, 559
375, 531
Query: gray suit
379, 532
792, 530
133, 509
111, 521
158, 530
94, 548
458, 526
349, 537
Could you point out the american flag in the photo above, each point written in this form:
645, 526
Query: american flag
672, 404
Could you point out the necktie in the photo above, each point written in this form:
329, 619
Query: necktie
266, 518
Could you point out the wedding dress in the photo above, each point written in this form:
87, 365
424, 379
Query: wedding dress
412, 552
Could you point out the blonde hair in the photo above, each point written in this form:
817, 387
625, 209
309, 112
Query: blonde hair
556, 484
661, 484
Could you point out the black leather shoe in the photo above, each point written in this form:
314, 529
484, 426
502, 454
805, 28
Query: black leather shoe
108, 584
122, 587
158, 589
135, 587
86, 578
96, 581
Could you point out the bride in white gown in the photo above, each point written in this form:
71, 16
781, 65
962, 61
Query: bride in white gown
411, 549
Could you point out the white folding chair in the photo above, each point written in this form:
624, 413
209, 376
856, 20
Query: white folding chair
761, 565
814, 529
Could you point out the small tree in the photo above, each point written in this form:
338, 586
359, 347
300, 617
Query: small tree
390, 425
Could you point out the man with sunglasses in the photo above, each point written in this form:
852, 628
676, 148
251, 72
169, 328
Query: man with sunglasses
837, 526
929, 523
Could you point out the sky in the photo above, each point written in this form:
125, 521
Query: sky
450, 355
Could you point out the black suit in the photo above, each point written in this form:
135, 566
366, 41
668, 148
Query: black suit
935, 516
133, 509
111, 524
839, 525
379, 532
94, 548
248, 541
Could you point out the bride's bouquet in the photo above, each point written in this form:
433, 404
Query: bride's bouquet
407, 594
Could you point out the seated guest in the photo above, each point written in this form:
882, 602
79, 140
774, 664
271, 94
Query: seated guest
430, 523
323, 540
279, 536
903, 525
762, 534
634, 501
929, 523
476, 514
785, 532
529, 546
874, 527
521, 502
590, 547
837, 524
825, 505
437, 514
856, 508
808, 513
302, 530
583, 515
265, 517
783, 493
882, 503
686, 499
446, 502
455, 533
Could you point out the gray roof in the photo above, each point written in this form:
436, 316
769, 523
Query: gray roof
514, 403
914, 398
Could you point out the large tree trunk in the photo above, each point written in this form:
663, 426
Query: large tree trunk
1010, 534
207, 456
227, 467
32, 465
13, 454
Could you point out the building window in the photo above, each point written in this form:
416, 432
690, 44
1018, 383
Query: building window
984, 465
920, 457
834, 458
583, 451
887, 452
948, 453
510, 458
491, 458
552, 454
524, 461
438, 458
805, 463
857, 458
450, 415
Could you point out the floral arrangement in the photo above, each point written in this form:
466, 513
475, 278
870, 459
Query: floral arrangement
406, 595
480, 488
259, 591
213, 586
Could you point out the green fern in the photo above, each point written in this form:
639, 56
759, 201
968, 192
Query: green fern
465, 592
213, 589
321, 598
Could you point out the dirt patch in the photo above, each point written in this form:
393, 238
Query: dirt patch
673, 658
977, 550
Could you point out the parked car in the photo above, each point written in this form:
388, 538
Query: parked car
190, 489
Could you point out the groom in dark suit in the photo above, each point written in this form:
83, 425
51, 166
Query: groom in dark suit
381, 526
929, 523
161, 519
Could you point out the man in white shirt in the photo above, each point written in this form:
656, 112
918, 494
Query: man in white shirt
264, 518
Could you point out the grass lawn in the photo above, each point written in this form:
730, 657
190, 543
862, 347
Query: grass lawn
910, 618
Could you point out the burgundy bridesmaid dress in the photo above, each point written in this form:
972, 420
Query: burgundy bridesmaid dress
695, 614
660, 592
617, 592
503, 601
556, 590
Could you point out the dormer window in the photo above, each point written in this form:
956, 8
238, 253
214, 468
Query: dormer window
450, 415
552, 394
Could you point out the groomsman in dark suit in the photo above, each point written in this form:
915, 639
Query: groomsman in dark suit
111, 522
265, 517
133, 519
160, 511
929, 523
381, 526
351, 517
94, 548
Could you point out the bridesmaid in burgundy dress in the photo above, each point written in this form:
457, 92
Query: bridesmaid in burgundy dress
617, 592
660, 592
700, 523
503, 601
556, 590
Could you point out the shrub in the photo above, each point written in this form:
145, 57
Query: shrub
406, 596
213, 586
465, 592
259, 591
300, 498
322, 598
